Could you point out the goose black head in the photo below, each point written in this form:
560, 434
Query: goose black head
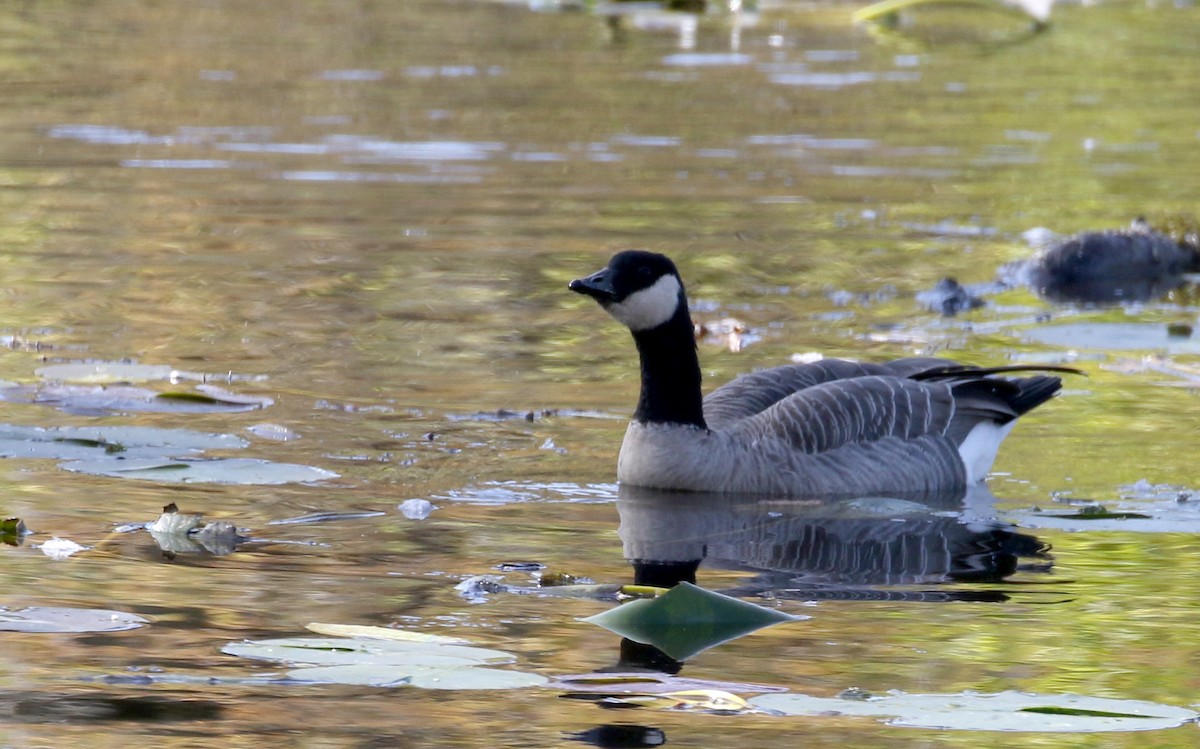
640, 289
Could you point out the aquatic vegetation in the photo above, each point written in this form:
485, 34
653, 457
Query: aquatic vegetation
1004, 711
687, 620
370, 656
69, 620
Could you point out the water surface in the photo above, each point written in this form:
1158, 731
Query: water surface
369, 213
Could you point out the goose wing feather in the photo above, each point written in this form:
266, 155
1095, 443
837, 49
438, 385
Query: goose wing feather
755, 392
843, 412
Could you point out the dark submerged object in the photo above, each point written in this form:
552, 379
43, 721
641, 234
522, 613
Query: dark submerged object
1106, 267
949, 297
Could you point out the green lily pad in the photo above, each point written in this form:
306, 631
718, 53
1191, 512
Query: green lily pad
1003, 711
688, 619
61, 619
214, 471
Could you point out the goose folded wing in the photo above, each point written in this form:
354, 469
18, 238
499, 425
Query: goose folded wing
755, 392
842, 412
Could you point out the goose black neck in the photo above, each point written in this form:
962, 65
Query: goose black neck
670, 373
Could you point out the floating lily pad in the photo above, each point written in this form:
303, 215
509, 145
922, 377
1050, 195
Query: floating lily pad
1003, 711
341, 651
60, 619
1158, 523
217, 396
81, 443
214, 471
96, 399
687, 620
466, 677
1112, 336
378, 662
1165, 514
380, 633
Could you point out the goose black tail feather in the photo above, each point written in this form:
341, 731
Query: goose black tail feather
953, 371
997, 400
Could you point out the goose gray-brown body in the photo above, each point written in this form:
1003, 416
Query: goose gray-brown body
830, 427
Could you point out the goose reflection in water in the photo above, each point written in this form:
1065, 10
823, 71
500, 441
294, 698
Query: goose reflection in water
829, 548
835, 545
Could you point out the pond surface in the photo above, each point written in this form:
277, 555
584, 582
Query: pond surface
357, 222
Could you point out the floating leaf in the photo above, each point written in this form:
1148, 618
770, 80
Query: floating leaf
82, 443
466, 677
388, 662
12, 527
316, 651
173, 521
1142, 517
687, 620
643, 591
881, 10
1003, 711
1054, 710
213, 395
380, 633
95, 399
215, 471
58, 619
218, 538
1113, 336
176, 532
694, 700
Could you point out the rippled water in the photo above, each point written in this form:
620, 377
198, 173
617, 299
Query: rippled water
367, 216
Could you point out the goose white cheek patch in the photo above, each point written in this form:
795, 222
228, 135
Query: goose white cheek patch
650, 307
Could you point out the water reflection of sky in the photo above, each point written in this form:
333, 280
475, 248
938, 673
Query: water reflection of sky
364, 150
